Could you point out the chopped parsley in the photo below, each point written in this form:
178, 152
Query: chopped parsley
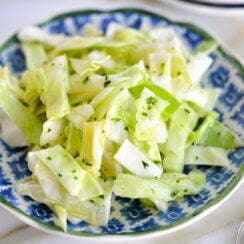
145, 114
115, 119
49, 158
87, 163
163, 66
76, 104
76, 154
59, 175
179, 73
199, 123
106, 83
85, 81
145, 164
187, 110
24, 103
157, 161
151, 100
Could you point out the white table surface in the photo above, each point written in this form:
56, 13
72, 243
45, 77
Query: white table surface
221, 226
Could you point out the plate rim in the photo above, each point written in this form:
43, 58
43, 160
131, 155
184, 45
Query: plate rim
211, 4
235, 183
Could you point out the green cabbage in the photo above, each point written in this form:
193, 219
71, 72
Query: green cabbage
127, 185
55, 95
136, 162
28, 123
218, 135
200, 155
35, 55
118, 112
176, 143
68, 172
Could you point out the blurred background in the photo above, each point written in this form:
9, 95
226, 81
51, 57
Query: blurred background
227, 25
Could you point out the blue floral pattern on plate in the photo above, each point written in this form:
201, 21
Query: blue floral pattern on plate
129, 216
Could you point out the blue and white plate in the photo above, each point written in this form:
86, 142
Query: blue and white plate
130, 217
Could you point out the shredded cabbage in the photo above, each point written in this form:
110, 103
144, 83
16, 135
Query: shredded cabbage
200, 155
118, 113
136, 162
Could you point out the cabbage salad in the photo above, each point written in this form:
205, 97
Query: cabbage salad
117, 113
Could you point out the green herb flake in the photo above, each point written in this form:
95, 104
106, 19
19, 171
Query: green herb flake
179, 73
199, 123
85, 80
187, 110
145, 164
24, 103
49, 158
106, 83
115, 119
145, 114
59, 175
88, 164
163, 67
77, 104
76, 155
157, 161
173, 194
151, 100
